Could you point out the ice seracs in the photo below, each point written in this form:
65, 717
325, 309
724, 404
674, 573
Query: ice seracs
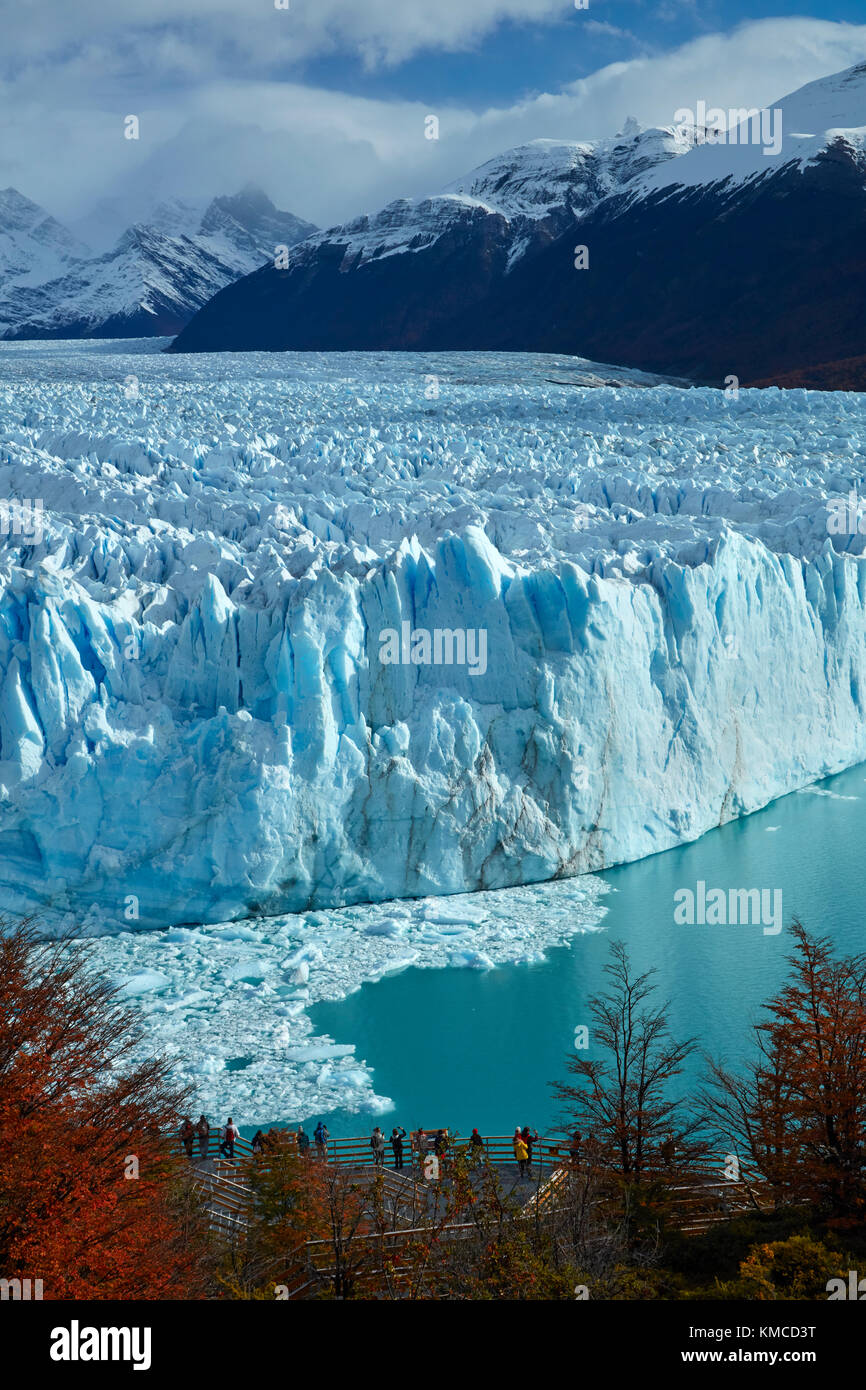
195, 724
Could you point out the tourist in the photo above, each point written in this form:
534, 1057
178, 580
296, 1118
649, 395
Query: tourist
440, 1143
230, 1134
419, 1143
303, 1141
518, 1138
476, 1147
574, 1147
187, 1133
521, 1153
398, 1134
321, 1136
202, 1129
377, 1144
530, 1137
258, 1144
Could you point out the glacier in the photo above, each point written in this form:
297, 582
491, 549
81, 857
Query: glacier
196, 727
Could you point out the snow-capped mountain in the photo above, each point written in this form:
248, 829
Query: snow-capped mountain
34, 246
150, 283
705, 258
822, 114
398, 278
250, 227
535, 192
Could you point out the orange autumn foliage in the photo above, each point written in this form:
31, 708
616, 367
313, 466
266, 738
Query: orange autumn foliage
76, 1116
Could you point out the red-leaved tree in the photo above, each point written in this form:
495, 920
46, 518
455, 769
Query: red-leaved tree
93, 1199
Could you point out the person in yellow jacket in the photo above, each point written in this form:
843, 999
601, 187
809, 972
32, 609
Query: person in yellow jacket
521, 1153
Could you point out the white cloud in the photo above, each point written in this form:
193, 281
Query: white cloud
329, 155
384, 31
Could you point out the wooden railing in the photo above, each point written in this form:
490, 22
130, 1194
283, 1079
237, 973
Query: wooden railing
358, 1153
703, 1198
498, 1150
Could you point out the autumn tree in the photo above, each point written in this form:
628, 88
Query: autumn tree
797, 1111
623, 1103
633, 1133
93, 1199
309, 1228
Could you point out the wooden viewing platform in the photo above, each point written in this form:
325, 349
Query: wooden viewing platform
706, 1198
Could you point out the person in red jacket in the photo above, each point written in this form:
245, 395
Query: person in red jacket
230, 1134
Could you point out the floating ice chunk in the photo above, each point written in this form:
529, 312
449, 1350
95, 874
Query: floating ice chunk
475, 960
387, 927
148, 982
319, 1053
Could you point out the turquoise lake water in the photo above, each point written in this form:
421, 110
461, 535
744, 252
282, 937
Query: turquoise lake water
459, 1048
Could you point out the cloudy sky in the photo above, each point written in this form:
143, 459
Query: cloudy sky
324, 103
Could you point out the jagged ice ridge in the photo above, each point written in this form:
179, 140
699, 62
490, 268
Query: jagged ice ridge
193, 715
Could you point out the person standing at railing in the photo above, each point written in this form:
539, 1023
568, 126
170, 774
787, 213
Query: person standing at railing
202, 1129
231, 1133
321, 1135
187, 1134
258, 1144
398, 1134
303, 1141
530, 1137
521, 1153
476, 1147
377, 1144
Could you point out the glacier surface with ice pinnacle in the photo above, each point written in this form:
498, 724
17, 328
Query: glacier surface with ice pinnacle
195, 722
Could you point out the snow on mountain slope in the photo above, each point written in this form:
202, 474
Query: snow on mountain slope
177, 216
154, 279
681, 281
537, 189
147, 283
245, 230
391, 279
544, 176
34, 246
824, 113
195, 717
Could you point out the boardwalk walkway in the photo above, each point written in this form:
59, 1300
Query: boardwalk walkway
708, 1197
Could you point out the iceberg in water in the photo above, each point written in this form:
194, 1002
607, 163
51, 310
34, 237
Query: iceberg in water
241, 655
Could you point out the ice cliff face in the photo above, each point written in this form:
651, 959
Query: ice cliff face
195, 723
